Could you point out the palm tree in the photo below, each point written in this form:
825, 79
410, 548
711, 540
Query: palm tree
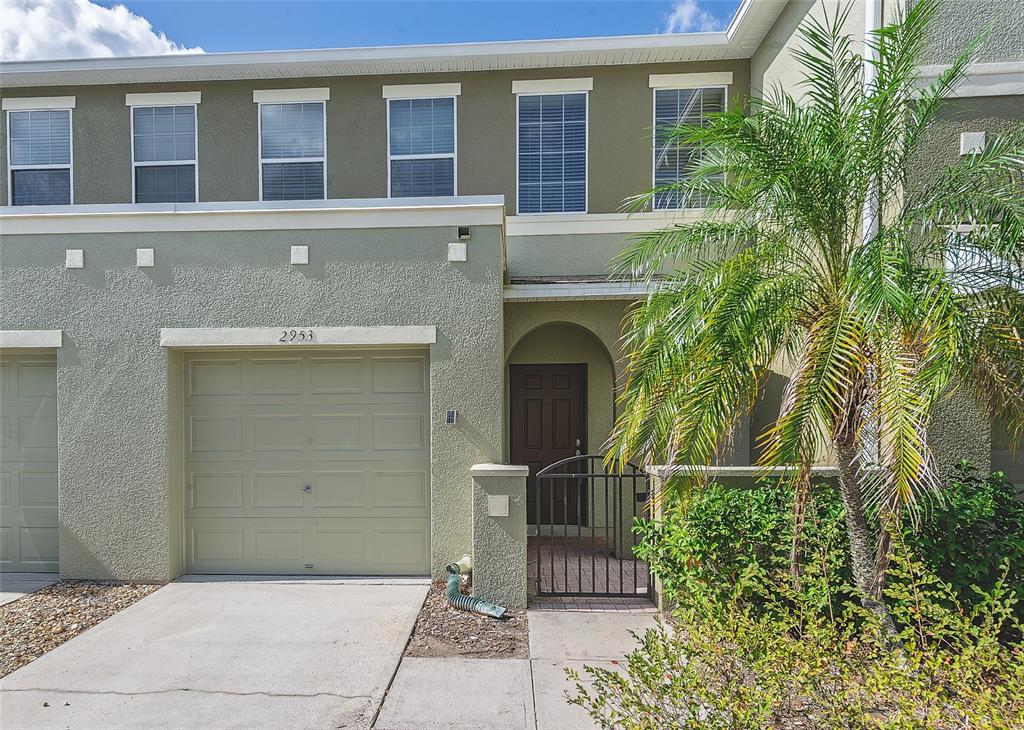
818, 252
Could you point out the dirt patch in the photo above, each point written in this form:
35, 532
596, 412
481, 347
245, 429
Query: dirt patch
443, 631
42, 621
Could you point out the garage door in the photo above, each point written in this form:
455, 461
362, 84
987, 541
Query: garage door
28, 463
307, 463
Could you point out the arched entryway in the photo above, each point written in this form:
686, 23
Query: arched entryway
561, 404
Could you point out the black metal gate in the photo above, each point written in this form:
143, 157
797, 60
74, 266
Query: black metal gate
584, 542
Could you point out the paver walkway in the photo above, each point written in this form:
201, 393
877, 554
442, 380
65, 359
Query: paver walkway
466, 694
15, 585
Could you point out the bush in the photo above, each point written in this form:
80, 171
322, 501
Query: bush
721, 532
703, 547
724, 665
966, 536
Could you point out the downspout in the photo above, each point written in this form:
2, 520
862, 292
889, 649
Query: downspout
872, 21
468, 603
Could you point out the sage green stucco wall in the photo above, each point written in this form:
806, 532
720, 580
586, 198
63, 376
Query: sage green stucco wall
958, 22
620, 126
119, 485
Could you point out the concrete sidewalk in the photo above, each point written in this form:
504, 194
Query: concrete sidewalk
206, 653
476, 694
15, 585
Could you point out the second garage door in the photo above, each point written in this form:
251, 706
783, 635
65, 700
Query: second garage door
307, 463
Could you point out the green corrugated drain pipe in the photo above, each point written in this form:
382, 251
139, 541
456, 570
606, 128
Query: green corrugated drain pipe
468, 603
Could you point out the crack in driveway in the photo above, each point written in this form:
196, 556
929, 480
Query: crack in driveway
186, 689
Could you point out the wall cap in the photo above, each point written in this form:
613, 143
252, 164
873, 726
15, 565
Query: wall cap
666, 471
498, 470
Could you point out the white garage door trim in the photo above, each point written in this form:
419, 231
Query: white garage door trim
308, 457
292, 336
43, 339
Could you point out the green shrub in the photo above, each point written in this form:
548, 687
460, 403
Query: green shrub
724, 665
721, 532
967, 535
703, 547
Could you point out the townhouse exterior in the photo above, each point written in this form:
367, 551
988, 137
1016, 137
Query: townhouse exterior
265, 312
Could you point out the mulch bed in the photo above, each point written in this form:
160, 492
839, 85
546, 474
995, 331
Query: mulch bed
443, 631
42, 621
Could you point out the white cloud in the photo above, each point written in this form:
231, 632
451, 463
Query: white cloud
688, 16
34, 30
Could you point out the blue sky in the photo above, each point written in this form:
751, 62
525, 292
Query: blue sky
236, 25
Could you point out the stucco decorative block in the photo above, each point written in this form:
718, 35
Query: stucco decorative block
497, 505
499, 534
300, 254
972, 143
74, 258
144, 257
458, 251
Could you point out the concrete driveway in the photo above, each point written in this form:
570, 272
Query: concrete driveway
293, 653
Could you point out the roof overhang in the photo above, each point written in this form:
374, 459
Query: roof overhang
752, 21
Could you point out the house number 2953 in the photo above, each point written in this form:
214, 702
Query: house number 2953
289, 336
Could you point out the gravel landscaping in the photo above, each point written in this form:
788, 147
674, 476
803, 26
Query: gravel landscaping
42, 621
443, 631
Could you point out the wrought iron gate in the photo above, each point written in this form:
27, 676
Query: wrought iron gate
584, 541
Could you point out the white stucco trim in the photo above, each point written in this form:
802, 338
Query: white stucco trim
498, 470
983, 79
37, 103
421, 91
690, 81
164, 98
31, 338
479, 210
575, 291
548, 224
290, 96
553, 86
383, 336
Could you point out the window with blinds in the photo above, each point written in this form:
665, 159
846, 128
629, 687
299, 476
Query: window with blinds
164, 153
40, 157
552, 155
672, 162
292, 151
421, 147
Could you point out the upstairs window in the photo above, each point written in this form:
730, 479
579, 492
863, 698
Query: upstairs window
293, 151
421, 147
40, 157
552, 155
165, 168
672, 161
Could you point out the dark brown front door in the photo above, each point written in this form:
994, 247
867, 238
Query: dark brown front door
547, 422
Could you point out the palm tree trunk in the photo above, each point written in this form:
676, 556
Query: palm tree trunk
862, 545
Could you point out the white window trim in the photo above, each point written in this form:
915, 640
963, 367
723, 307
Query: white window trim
421, 91
259, 144
164, 163
553, 86
586, 153
11, 167
37, 103
164, 98
454, 154
690, 81
289, 96
654, 124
